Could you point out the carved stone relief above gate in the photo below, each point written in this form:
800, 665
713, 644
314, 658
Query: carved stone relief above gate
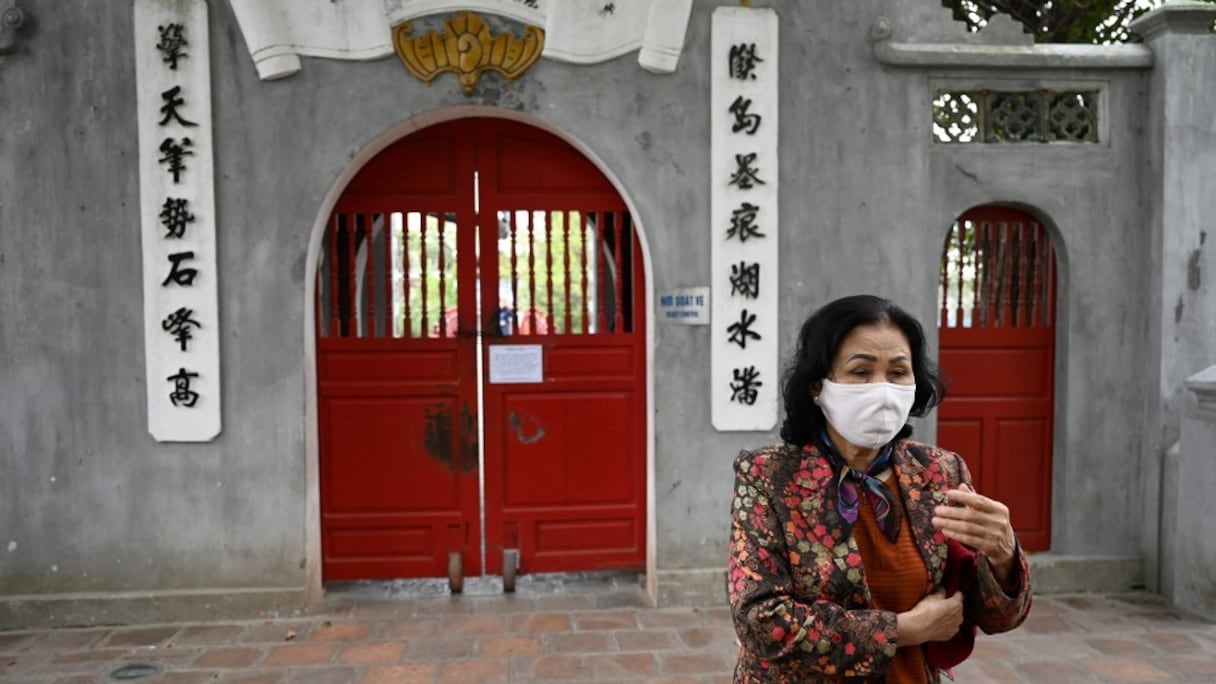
468, 48
576, 31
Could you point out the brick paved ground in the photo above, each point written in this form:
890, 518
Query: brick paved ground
577, 636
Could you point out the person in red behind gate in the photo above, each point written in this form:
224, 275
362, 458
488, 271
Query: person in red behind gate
844, 536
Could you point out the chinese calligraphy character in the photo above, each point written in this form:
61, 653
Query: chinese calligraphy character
743, 389
173, 100
181, 394
178, 325
745, 177
183, 277
174, 216
745, 279
172, 44
744, 120
742, 331
174, 156
743, 223
743, 61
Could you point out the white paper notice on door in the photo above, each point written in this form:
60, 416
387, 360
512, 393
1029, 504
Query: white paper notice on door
516, 363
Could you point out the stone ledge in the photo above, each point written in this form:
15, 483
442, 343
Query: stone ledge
695, 587
123, 608
1062, 574
1045, 56
1050, 573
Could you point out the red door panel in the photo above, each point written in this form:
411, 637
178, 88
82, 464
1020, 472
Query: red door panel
384, 435
393, 487
565, 457
964, 436
997, 371
568, 479
545, 427
997, 336
1022, 477
397, 384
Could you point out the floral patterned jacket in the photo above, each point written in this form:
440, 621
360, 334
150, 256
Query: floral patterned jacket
798, 592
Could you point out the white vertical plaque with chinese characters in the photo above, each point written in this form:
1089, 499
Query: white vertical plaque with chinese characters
745, 375
177, 219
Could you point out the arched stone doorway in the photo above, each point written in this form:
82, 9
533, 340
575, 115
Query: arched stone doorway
481, 361
996, 325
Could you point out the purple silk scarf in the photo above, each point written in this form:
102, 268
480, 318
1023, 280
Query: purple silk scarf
850, 483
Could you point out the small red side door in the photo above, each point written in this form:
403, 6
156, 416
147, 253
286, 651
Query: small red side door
997, 338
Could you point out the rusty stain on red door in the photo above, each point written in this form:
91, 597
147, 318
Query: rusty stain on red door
438, 437
517, 424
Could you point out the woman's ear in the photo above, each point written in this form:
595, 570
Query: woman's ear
815, 389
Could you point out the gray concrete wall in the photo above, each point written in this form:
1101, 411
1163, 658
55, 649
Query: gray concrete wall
90, 503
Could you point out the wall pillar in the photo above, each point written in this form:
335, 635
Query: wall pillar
1193, 584
1181, 156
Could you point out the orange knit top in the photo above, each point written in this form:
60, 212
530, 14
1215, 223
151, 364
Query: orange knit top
897, 578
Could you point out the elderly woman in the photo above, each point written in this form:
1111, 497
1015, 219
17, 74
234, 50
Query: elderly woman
841, 535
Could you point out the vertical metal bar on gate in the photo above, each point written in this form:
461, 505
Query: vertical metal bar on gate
386, 234
443, 301
566, 267
422, 276
1021, 312
962, 250
619, 229
549, 270
601, 316
991, 249
408, 330
1036, 282
532, 273
582, 234
998, 279
514, 274
369, 273
352, 301
945, 278
335, 266
974, 255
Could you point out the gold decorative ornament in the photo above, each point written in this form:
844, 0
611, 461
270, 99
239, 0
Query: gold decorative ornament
467, 48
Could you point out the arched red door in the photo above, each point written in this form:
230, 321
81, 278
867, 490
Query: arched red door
480, 312
997, 337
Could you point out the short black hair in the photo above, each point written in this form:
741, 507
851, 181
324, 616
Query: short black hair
818, 343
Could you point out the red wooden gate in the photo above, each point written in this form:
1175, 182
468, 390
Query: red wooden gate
997, 336
461, 238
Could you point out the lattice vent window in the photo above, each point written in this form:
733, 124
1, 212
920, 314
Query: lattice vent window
971, 116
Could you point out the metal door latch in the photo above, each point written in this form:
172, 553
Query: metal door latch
10, 22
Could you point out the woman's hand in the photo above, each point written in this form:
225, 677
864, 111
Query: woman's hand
981, 523
934, 618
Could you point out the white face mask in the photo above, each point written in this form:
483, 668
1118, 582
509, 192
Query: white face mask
867, 414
